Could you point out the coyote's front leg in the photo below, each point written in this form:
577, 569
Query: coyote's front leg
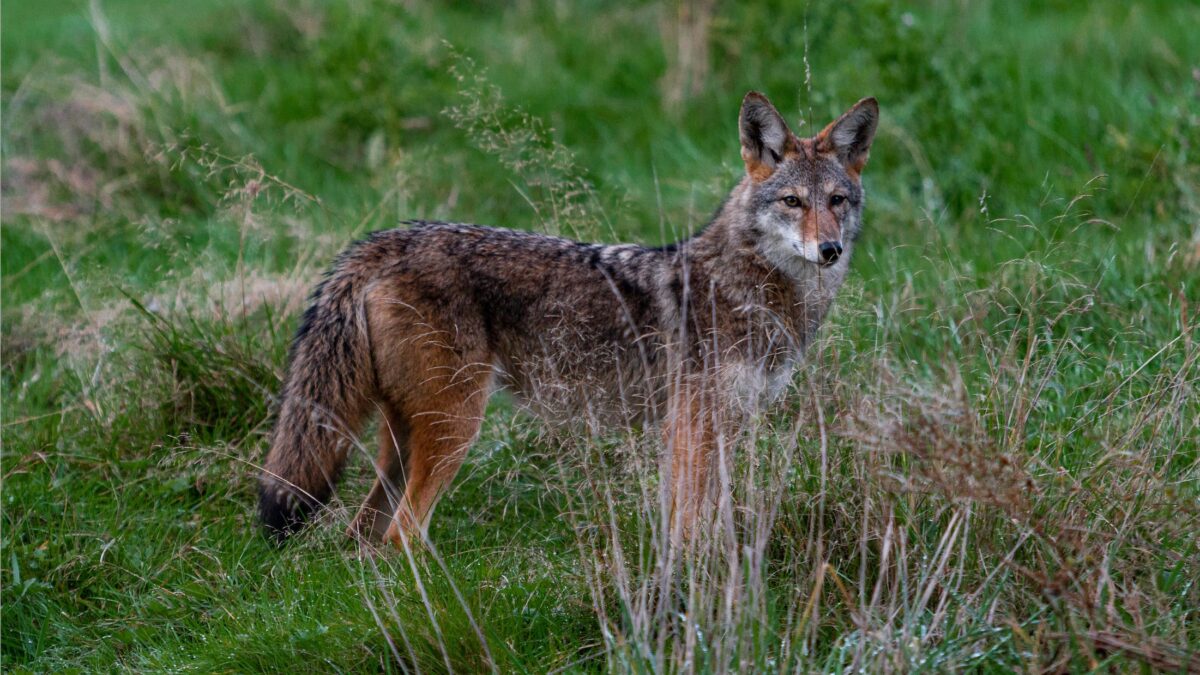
691, 439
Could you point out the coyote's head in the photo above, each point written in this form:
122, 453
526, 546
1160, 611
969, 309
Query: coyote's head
803, 197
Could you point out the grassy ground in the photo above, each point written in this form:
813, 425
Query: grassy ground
990, 460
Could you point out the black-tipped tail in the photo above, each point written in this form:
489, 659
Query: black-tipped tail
282, 511
323, 405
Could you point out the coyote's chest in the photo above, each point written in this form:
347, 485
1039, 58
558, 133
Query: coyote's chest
755, 385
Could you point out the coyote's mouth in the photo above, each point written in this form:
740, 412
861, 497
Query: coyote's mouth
810, 257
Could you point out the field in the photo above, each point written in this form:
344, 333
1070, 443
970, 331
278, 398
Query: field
990, 461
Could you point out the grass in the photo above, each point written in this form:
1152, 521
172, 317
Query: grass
990, 460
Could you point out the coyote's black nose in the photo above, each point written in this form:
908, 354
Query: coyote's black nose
830, 251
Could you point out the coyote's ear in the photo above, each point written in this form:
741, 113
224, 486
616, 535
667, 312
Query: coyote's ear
765, 136
850, 135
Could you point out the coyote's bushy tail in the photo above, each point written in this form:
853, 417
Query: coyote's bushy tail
325, 400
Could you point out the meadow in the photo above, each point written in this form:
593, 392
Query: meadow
990, 460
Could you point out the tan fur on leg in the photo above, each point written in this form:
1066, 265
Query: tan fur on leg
690, 440
375, 515
439, 442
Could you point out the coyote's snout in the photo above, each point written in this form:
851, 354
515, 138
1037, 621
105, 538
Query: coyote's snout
420, 324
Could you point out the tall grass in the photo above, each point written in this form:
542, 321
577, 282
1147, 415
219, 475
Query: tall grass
898, 518
989, 460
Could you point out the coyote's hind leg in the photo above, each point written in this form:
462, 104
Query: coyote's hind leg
375, 515
439, 438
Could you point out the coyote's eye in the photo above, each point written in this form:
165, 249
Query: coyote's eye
792, 201
836, 200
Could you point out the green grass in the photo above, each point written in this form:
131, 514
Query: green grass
991, 460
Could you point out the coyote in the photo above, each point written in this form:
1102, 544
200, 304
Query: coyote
422, 323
